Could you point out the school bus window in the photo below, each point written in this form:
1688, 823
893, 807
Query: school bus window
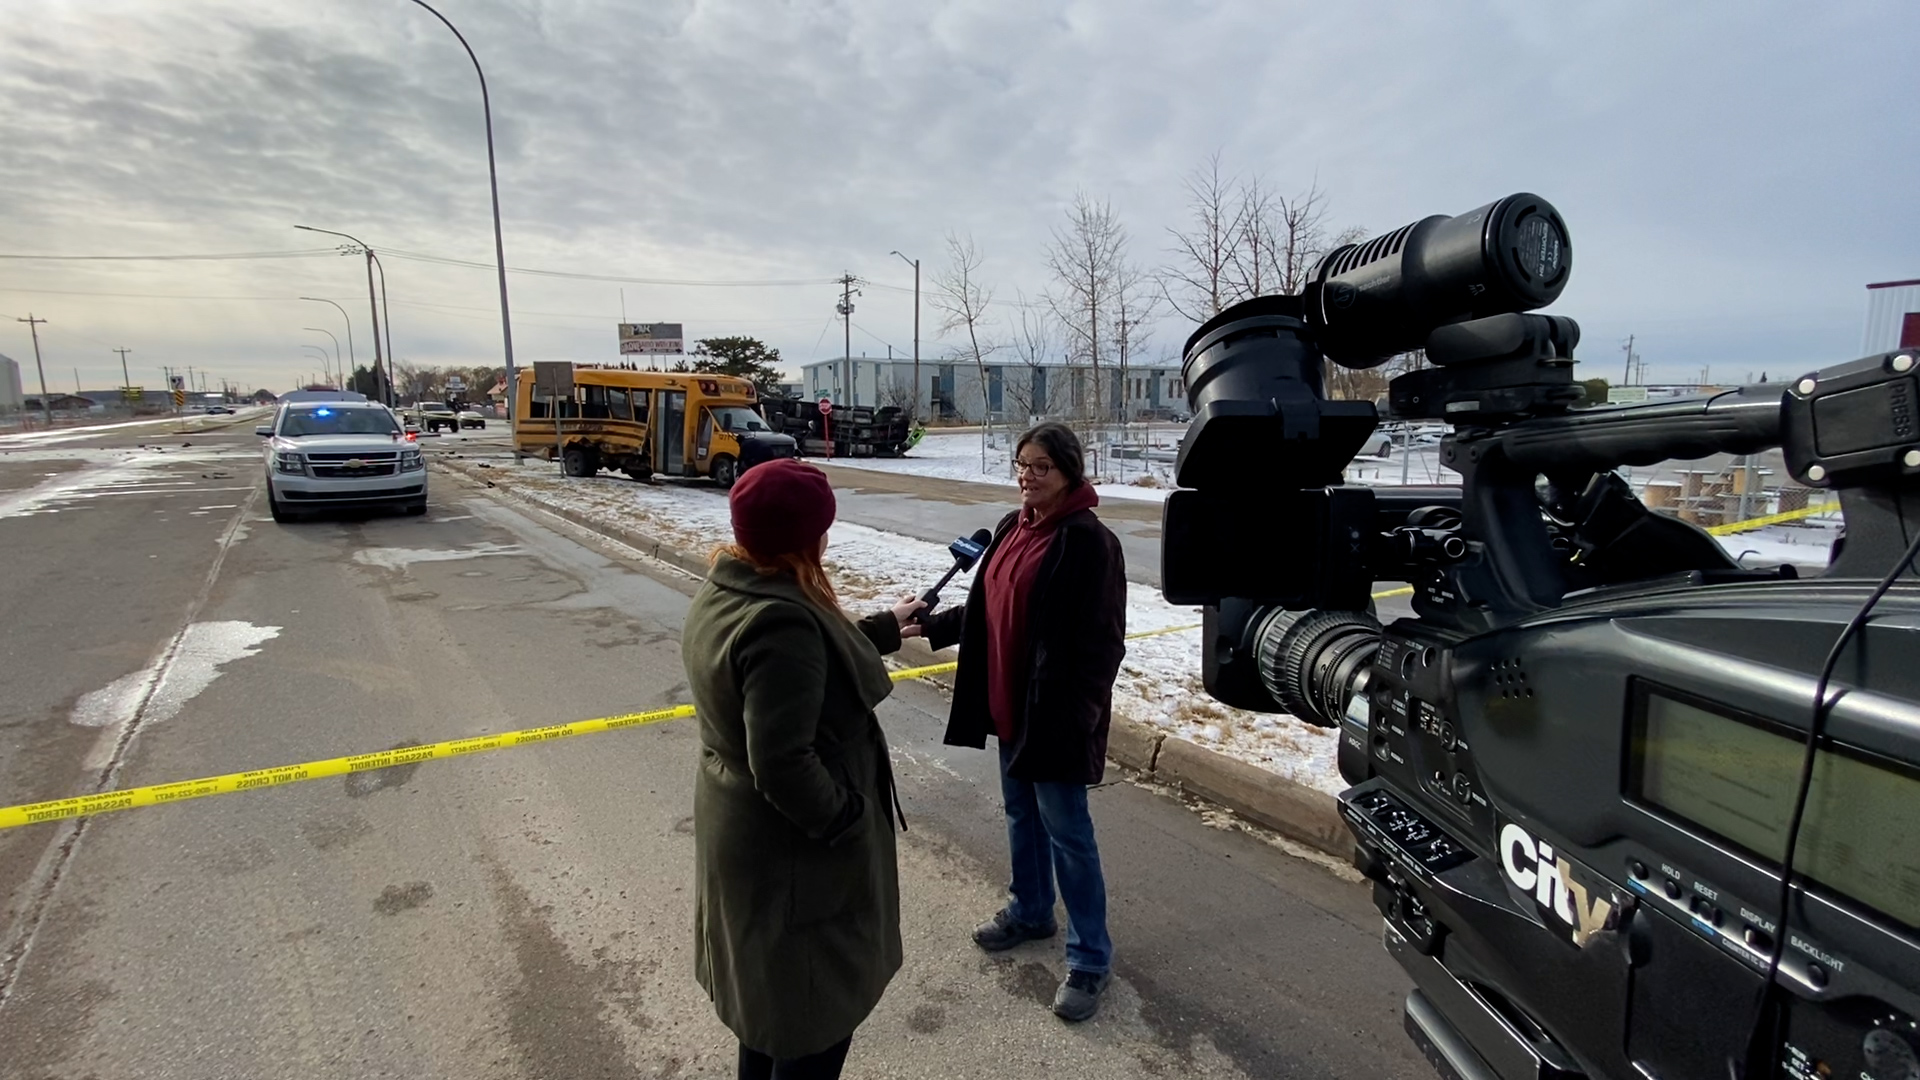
595, 407
640, 399
736, 418
617, 408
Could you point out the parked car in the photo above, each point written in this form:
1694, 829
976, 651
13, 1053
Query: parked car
339, 455
434, 415
217, 410
472, 418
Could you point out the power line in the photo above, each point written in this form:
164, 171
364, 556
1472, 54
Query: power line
417, 256
304, 253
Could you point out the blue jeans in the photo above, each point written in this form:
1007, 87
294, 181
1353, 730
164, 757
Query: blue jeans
1050, 835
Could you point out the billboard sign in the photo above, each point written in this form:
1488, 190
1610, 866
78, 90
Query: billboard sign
652, 338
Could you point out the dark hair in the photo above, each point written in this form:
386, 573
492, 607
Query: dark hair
1062, 445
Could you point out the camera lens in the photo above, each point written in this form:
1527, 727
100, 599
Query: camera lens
1311, 661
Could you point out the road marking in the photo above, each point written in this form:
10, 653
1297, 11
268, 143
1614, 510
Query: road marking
45, 883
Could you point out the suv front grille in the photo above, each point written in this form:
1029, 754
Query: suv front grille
372, 463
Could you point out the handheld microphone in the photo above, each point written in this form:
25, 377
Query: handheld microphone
966, 552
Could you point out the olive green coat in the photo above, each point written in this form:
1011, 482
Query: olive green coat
797, 893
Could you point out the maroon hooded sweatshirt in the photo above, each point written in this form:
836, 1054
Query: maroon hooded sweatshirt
1010, 577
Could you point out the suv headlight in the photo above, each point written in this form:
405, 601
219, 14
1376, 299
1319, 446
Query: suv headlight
287, 461
411, 460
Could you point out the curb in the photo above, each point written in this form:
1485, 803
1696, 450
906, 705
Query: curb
1289, 808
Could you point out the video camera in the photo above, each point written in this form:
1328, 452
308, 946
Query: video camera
1610, 830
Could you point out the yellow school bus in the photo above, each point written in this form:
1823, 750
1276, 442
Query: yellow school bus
647, 422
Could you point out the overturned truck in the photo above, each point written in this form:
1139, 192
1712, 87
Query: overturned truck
856, 430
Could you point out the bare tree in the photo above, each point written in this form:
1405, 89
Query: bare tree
1085, 259
1033, 344
1198, 284
959, 295
1281, 238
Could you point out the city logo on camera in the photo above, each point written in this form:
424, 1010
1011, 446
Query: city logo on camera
1561, 890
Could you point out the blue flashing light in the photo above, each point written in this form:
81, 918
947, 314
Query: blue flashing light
323, 412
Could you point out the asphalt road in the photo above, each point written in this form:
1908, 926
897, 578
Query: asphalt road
524, 913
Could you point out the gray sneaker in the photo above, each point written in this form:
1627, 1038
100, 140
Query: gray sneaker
1079, 997
1001, 932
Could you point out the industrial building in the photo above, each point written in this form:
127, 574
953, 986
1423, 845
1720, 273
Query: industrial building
951, 390
10, 396
1893, 316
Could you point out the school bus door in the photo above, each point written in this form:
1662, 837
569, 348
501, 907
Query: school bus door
670, 427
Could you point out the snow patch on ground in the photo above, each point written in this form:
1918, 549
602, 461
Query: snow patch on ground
106, 473
1143, 471
160, 691
401, 558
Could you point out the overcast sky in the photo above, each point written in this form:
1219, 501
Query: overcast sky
1733, 174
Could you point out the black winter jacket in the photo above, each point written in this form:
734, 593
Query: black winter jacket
1076, 631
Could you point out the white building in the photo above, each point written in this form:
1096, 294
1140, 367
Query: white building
951, 390
10, 394
1893, 317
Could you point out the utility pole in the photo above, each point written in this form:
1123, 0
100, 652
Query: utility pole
126, 380
846, 353
1628, 349
33, 327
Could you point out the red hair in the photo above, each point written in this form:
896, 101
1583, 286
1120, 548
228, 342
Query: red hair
803, 566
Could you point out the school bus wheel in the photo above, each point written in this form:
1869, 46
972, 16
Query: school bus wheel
724, 471
579, 462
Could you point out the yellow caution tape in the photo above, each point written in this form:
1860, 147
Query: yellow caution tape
1771, 519
180, 791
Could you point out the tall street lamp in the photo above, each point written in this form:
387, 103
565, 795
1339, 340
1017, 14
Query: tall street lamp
336, 353
493, 180
322, 354
351, 359
386, 316
373, 308
916, 336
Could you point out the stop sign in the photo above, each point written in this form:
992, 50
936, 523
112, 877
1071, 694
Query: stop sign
826, 406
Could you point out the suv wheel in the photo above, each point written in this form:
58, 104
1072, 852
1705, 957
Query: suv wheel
277, 508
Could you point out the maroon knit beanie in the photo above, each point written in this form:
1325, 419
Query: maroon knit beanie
781, 507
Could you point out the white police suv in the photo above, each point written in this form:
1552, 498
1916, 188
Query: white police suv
341, 454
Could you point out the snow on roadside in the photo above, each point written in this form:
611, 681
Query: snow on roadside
959, 457
1159, 681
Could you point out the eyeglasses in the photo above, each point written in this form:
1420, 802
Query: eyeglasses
1039, 469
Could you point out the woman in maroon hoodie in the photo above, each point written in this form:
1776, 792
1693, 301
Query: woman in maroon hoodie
1041, 637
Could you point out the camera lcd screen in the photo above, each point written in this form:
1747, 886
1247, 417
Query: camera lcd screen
1737, 779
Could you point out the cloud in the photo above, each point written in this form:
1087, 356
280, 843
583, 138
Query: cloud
1733, 173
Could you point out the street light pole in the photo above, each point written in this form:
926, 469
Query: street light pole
373, 308
336, 353
386, 315
916, 337
351, 359
493, 181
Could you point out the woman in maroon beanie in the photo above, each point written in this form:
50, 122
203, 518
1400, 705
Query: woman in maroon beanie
796, 890
1041, 638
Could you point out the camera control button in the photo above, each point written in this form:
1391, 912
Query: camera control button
1638, 869
1672, 888
1817, 975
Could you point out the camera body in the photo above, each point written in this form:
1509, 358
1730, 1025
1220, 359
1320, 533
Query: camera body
1574, 770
